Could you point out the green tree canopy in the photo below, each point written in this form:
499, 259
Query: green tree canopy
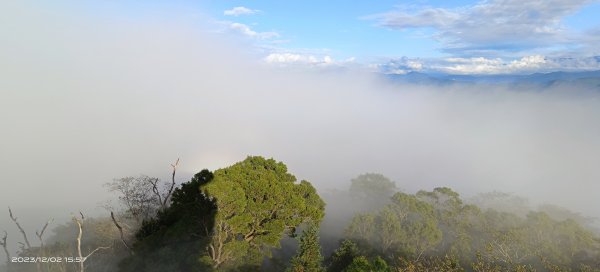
343, 256
372, 186
178, 236
308, 258
257, 202
406, 226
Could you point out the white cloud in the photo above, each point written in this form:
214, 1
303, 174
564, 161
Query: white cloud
481, 65
237, 11
529, 63
246, 30
400, 66
303, 59
495, 66
491, 27
414, 65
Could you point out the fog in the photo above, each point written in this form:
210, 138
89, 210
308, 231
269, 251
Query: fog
90, 95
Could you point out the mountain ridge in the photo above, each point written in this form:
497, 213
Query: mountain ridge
585, 79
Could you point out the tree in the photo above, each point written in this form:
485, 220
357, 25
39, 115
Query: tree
374, 189
343, 256
407, 226
82, 259
457, 220
359, 264
502, 202
137, 195
362, 226
257, 202
363, 264
143, 196
308, 258
178, 237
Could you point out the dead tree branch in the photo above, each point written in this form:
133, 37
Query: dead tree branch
82, 259
41, 233
79, 223
3, 244
94, 251
164, 199
14, 219
156, 191
112, 215
174, 166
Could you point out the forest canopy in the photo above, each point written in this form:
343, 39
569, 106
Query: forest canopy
256, 216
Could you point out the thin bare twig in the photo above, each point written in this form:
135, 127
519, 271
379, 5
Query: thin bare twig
14, 219
112, 215
94, 251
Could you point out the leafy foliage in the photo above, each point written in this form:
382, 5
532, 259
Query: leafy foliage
308, 258
425, 228
232, 219
372, 186
257, 202
406, 226
343, 256
178, 236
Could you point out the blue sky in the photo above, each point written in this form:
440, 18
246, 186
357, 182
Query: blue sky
463, 37
396, 37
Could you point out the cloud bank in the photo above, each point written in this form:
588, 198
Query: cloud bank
81, 107
490, 66
492, 28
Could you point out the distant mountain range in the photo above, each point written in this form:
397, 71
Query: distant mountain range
588, 80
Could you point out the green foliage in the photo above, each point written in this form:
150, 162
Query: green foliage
407, 226
257, 202
373, 189
232, 219
502, 202
177, 238
445, 264
561, 214
362, 264
308, 258
457, 220
372, 185
423, 228
343, 256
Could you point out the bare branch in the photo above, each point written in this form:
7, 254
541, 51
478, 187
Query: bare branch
156, 191
79, 223
112, 215
41, 233
94, 251
14, 219
174, 166
82, 259
3, 244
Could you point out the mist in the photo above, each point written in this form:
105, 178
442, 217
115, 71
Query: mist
88, 96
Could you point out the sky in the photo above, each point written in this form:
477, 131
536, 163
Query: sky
456, 37
96, 90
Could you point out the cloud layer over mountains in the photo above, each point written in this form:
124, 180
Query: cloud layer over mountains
89, 96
